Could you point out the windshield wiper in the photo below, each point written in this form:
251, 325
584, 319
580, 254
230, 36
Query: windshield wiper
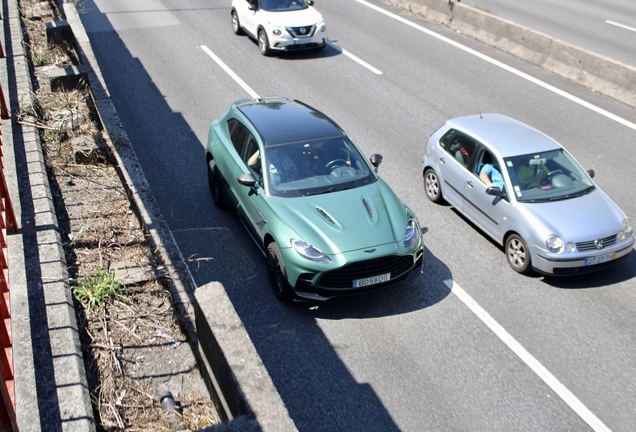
585, 192
331, 189
322, 191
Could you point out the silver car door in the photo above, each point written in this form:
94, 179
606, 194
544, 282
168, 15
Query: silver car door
486, 211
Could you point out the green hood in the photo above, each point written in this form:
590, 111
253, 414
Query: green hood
344, 221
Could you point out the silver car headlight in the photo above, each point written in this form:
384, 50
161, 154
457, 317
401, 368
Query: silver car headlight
554, 243
323, 27
627, 231
309, 252
277, 32
412, 233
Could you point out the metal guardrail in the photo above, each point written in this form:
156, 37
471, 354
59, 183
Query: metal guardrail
8, 223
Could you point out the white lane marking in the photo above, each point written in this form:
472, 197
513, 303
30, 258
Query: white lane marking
229, 71
568, 397
621, 25
354, 58
504, 66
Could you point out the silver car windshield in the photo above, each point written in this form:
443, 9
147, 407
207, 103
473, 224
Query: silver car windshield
547, 176
315, 167
283, 5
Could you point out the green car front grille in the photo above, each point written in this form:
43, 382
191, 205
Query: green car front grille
344, 276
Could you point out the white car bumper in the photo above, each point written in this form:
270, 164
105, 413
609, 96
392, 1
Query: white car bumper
285, 41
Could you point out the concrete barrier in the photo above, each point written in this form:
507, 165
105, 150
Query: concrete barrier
595, 71
250, 396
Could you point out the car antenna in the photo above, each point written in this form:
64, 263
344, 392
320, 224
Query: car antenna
478, 107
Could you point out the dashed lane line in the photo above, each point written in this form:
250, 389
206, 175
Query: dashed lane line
230, 72
621, 25
354, 58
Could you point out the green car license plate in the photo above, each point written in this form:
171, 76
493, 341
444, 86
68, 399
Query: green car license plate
600, 259
359, 283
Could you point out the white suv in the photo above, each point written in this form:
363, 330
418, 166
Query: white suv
280, 25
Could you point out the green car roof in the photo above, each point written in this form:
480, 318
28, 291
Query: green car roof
272, 118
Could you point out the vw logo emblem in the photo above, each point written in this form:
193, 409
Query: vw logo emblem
598, 243
303, 30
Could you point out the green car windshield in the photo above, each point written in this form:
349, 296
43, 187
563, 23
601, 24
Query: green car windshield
315, 167
549, 176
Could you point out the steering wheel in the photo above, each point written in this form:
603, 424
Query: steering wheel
548, 177
336, 163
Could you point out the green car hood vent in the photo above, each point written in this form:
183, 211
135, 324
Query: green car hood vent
368, 207
325, 215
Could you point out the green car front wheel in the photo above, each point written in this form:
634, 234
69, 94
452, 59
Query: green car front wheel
214, 181
277, 275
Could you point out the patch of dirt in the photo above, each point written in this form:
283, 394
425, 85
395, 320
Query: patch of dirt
134, 346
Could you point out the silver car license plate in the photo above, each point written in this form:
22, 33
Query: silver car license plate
600, 259
359, 283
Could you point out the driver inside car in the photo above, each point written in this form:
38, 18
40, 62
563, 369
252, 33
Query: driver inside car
530, 176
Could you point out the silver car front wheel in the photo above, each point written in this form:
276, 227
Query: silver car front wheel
517, 254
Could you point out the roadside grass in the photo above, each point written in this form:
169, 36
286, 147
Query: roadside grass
94, 292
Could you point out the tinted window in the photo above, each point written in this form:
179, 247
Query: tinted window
459, 145
238, 133
252, 157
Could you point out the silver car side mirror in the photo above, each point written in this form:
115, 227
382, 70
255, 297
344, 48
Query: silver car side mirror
495, 191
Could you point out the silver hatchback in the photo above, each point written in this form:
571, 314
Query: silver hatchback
525, 191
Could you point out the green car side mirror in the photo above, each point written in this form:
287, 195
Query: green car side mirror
375, 160
250, 181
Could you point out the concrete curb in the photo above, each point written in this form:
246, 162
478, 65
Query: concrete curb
599, 73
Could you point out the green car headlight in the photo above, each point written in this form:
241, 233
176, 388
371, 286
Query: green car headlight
554, 243
627, 230
309, 252
410, 236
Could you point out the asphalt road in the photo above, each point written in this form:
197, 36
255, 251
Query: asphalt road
607, 27
514, 352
